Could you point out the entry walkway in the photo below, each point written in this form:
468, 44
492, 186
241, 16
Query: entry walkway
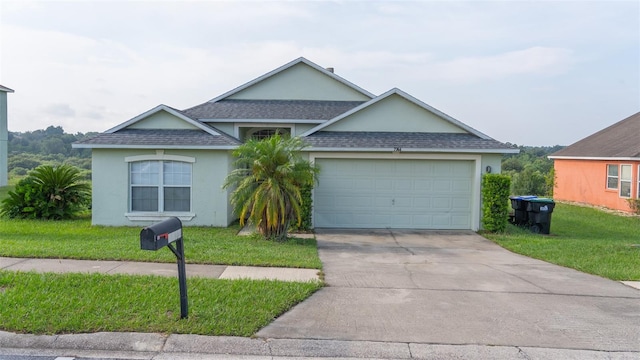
160, 269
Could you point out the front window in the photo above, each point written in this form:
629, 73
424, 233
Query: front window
260, 133
612, 176
160, 186
625, 181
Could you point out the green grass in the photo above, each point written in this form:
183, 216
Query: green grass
586, 239
84, 303
78, 239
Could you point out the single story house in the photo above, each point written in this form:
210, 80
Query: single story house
602, 169
387, 161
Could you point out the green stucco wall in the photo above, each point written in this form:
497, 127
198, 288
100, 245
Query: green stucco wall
162, 120
300, 82
111, 187
395, 114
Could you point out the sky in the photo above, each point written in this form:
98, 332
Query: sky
536, 73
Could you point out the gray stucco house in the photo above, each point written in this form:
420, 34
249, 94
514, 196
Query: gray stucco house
386, 160
4, 136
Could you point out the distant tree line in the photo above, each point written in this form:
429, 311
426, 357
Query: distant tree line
531, 171
51, 146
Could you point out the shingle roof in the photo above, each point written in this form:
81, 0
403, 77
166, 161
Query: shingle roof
5, 89
404, 140
620, 140
159, 138
271, 109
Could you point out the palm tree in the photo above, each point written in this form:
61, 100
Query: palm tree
267, 181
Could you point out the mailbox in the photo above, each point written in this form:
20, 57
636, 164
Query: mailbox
159, 235
163, 234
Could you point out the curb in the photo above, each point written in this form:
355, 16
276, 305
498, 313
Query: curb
181, 346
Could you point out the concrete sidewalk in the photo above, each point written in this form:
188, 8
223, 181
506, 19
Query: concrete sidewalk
160, 269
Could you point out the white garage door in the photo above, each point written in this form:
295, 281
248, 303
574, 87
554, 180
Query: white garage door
415, 194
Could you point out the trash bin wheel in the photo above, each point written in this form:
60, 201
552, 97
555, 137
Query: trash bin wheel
535, 228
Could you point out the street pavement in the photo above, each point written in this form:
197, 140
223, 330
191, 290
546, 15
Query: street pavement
394, 294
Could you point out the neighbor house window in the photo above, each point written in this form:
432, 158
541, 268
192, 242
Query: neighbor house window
625, 181
612, 176
160, 186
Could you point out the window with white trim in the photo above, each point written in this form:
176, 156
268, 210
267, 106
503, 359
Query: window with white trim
160, 186
263, 132
625, 181
612, 176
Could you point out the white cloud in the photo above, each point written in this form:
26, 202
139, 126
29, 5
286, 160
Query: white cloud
59, 110
492, 63
532, 61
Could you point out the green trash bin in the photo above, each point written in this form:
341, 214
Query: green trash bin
519, 206
539, 212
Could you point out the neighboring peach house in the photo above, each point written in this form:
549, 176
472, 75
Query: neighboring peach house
602, 169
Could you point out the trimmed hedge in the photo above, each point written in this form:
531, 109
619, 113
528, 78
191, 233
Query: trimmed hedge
495, 204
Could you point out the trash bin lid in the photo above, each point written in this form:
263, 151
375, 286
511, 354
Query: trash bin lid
542, 200
523, 197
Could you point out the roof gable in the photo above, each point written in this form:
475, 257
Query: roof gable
396, 111
298, 80
5, 89
163, 117
620, 140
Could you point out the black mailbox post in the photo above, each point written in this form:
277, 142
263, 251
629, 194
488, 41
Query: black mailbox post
163, 234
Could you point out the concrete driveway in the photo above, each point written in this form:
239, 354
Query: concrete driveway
446, 287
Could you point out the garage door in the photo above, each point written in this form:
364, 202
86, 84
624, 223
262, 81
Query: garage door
417, 194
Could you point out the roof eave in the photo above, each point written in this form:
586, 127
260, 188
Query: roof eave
168, 109
159, 146
595, 158
292, 121
413, 150
6, 89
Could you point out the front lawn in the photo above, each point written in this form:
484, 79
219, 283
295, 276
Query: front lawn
77, 239
83, 303
583, 238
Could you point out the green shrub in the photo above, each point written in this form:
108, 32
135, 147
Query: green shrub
495, 205
634, 205
305, 209
48, 193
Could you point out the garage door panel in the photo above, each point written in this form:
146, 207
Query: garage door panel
382, 201
364, 193
364, 184
354, 201
423, 185
403, 184
442, 185
461, 185
384, 184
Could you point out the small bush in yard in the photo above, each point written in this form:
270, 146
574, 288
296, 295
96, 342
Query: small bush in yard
48, 192
495, 205
634, 205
